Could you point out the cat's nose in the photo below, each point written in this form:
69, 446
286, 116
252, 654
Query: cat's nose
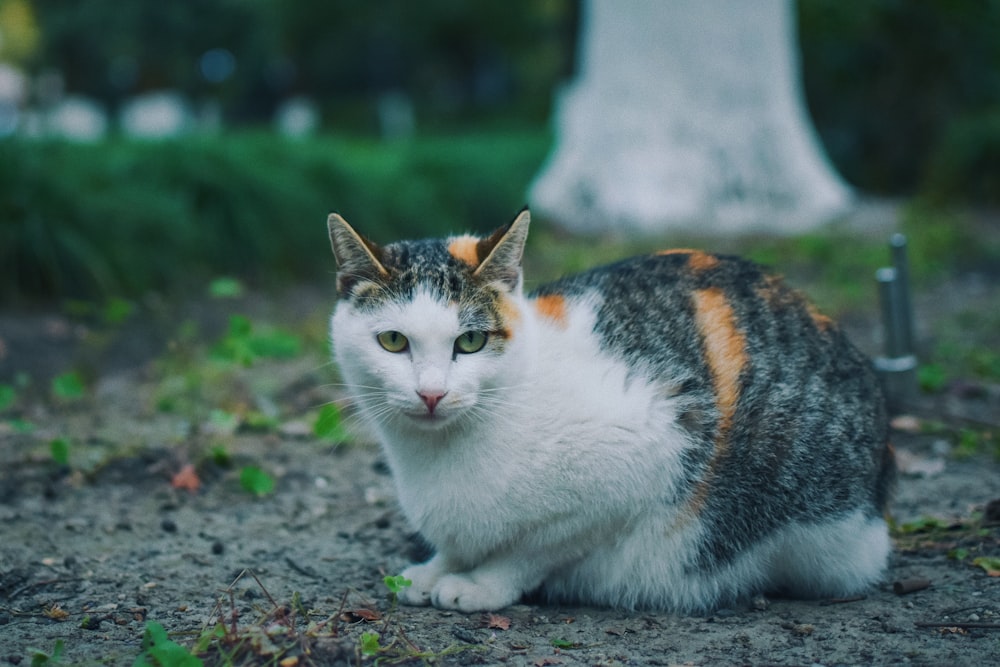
431, 398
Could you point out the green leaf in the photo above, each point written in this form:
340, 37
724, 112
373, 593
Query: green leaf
932, 378
225, 287
990, 564
117, 310
256, 481
220, 456
925, 524
276, 344
60, 451
369, 643
21, 426
68, 386
7, 396
328, 424
158, 650
43, 659
564, 644
397, 583
259, 421
207, 637
242, 345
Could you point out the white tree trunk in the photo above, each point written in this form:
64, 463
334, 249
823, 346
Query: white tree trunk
687, 114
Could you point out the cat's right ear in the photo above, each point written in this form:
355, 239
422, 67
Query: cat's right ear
503, 251
357, 258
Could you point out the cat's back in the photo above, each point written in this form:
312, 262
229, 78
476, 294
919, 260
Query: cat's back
714, 314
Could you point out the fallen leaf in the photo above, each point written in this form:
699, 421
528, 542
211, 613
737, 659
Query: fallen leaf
906, 423
187, 479
497, 622
991, 565
542, 662
358, 615
56, 613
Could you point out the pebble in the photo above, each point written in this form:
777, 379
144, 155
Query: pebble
168, 525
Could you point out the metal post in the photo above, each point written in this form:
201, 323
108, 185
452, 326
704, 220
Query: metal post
900, 262
898, 367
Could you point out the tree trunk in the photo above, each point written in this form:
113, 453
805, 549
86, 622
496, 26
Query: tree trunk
687, 114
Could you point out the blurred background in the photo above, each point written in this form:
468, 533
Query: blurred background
147, 145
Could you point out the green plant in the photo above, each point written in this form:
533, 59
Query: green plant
226, 287
68, 386
59, 448
370, 643
256, 481
243, 345
8, 396
43, 659
328, 424
117, 310
990, 564
126, 216
158, 650
396, 583
932, 378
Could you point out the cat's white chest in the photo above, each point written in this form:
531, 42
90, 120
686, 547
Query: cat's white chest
569, 434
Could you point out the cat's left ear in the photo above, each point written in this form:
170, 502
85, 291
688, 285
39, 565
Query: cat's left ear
503, 251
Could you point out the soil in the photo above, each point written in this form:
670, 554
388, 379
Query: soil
95, 549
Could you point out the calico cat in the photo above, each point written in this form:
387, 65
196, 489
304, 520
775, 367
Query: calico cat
676, 431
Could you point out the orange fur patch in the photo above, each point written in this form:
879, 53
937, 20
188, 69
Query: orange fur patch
697, 260
552, 307
463, 248
726, 353
822, 322
510, 314
725, 349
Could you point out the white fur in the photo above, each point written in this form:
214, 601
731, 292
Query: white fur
552, 464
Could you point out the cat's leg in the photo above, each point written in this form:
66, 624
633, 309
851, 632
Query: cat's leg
831, 559
423, 578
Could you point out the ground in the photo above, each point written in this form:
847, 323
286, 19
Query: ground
144, 515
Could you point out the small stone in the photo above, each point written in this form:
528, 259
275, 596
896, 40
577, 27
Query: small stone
803, 629
168, 525
218, 548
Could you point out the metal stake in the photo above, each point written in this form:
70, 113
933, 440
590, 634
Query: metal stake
898, 367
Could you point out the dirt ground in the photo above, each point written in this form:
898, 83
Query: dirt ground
94, 549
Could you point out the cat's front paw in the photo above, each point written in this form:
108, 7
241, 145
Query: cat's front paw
466, 593
422, 580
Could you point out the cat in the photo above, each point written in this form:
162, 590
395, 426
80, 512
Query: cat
678, 431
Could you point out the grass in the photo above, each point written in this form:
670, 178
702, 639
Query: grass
124, 217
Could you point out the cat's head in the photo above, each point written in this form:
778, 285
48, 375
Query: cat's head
427, 333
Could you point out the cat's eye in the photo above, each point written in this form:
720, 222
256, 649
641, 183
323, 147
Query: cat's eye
470, 341
393, 341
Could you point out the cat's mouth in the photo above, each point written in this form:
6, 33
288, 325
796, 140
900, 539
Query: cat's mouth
428, 419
